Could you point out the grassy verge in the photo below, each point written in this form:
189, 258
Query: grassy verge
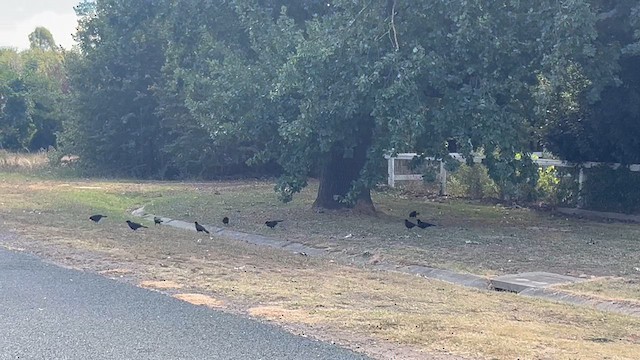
472, 237
347, 304
620, 289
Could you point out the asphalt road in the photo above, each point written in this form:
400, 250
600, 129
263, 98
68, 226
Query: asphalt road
48, 312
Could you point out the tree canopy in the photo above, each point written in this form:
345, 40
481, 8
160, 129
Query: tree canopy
605, 127
325, 88
32, 95
42, 39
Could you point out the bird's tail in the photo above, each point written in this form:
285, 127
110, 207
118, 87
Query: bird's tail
207, 231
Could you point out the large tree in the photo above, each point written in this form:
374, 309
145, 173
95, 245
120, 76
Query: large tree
119, 60
333, 90
326, 87
32, 91
603, 125
196, 42
42, 39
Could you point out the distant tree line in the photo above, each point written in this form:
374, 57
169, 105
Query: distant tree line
33, 89
207, 88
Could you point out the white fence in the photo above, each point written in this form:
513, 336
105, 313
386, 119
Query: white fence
392, 177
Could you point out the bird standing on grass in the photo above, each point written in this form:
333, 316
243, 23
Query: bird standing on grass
225, 220
96, 217
272, 223
135, 226
157, 220
414, 213
409, 224
424, 225
200, 228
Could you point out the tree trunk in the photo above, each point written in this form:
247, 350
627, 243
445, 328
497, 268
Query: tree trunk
338, 174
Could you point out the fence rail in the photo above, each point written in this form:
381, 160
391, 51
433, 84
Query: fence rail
392, 177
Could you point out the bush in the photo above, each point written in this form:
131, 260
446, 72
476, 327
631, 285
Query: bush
472, 182
606, 189
557, 186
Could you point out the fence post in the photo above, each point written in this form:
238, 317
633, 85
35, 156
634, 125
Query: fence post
443, 179
581, 179
391, 171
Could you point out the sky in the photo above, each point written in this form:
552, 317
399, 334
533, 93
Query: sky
18, 18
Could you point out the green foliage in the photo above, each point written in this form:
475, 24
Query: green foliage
557, 186
32, 85
606, 189
599, 119
16, 124
202, 87
41, 39
515, 175
548, 183
114, 127
472, 181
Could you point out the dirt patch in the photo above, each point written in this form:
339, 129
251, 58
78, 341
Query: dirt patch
116, 272
161, 285
200, 299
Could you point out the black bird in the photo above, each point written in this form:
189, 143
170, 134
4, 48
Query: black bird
201, 228
272, 223
424, 225
157, 220
414, 213
225, 220
135, 226
96, 217
408, 224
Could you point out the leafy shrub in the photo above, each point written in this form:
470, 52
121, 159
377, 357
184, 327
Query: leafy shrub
515, 175
472, 182
606, 189
557, 186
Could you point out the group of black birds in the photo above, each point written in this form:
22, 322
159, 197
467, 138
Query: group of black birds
133, 225
270, 223
157, 221
419, 223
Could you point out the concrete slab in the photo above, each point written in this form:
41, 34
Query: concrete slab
523, 281
469, 280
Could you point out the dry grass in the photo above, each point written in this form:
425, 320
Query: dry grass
199, 299
470, 236
618, 289
321, 296
24, 162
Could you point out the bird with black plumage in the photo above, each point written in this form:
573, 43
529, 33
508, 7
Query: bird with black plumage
97, 217
423, 225
409, 224
135, 226
200, 228
272, 223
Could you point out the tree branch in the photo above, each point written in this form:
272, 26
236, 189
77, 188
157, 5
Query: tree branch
394, 38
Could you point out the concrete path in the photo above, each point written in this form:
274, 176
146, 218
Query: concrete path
48, 312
